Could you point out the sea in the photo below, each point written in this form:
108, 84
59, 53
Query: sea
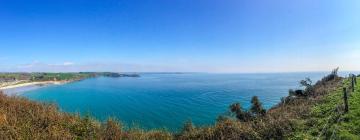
167, 100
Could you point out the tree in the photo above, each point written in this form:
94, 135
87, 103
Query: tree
307, 83
256, 108
240, 113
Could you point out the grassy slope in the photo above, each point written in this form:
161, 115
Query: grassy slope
24, 119
327, 120
350, 127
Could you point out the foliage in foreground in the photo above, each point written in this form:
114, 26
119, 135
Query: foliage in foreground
24, 119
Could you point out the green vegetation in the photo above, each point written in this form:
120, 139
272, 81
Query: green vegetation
14, 76
350, 126
256, 108
31, 77
58, 76
243, 115
8, 77
327, 119
310, 113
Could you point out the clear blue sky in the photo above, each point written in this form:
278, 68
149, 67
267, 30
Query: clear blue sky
179, 35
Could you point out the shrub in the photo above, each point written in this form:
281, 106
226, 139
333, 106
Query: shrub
188, 127
307, 83
256, 108
332, 76
24, 119
240, 113
111, 130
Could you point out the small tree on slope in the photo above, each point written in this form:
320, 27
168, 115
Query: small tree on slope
240, 114
256, 108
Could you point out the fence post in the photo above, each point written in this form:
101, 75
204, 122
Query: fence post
346, 101
353, 83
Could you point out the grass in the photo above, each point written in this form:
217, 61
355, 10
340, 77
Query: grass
327, 119
349, 128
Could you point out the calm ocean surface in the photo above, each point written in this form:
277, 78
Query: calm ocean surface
168, 100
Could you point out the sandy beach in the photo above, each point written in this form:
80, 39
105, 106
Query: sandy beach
33, 84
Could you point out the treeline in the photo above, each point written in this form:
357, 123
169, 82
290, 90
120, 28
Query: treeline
58, 76
10, 77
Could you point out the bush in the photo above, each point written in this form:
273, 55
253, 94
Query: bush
256, 108
332, 76
188, 127
240, 113
111, 130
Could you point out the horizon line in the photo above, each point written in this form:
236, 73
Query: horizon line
183, 72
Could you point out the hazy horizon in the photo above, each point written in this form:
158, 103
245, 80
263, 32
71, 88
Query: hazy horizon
341, 72
213, 36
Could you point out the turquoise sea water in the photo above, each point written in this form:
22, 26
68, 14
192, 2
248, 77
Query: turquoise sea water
168, 100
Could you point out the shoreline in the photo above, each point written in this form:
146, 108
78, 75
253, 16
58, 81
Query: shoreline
18, 88
43, 83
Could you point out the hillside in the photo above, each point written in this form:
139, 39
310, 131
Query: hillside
315, 112
24, 119
328, 120
11, 79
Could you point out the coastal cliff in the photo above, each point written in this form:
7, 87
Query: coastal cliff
313, 112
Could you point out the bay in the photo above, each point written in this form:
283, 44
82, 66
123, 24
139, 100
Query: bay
168, 100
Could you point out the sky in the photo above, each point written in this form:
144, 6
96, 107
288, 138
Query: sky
222, 36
